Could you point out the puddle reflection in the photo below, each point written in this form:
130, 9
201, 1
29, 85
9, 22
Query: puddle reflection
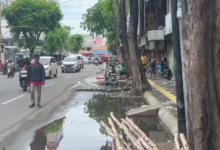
48, 136
83, 133
101, 105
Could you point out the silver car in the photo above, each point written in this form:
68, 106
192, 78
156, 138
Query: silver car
70, 64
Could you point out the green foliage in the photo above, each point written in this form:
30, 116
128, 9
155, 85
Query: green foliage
39, 16
107, 146
56, 40
55, 126
75, 43
100, 107
99, 20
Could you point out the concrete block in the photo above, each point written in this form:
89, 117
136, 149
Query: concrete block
149, 110
166, 117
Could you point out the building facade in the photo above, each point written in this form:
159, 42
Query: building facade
155, 30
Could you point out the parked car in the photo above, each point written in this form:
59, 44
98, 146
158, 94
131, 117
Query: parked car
50, 66
71, 64
85, 60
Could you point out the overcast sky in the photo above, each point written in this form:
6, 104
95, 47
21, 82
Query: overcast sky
73, 11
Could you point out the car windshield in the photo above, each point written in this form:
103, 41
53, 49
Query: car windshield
69, 59
44, 61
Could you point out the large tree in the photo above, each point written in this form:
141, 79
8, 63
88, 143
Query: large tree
202, 47
31, 18
56, 40
75, 43
124, 49
139, 79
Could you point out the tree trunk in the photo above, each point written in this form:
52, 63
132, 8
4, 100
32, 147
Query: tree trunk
123, 35
117, 25
139, 79
203, 74
31, 54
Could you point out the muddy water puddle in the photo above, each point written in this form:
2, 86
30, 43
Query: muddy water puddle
79, 129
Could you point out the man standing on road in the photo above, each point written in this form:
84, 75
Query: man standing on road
36, 78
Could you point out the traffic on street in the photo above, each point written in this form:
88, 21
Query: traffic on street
14, 102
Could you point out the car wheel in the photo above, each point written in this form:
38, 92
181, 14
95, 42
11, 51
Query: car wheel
55, 74
49, 75
62, 71
82, 66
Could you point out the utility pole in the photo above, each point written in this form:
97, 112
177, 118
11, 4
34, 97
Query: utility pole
178, 70
182, 21
1, 5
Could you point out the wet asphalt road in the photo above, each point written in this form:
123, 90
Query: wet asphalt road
14, 102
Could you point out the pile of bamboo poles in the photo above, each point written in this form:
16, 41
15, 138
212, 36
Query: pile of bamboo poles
137, 139
183, 140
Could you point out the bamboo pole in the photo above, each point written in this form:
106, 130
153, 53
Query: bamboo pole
184, 142
117, 142
108, 130
115, 120
177, 144
113, 145
120, 125
142, 141
133, 140
126, 145
141, 133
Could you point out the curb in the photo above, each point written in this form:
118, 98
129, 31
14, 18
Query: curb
166, 117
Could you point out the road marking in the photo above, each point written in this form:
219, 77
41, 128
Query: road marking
67, 77
12, 99
73, 87
163, 91
49, 84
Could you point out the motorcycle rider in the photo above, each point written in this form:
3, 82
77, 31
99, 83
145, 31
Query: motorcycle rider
26, 63
5, 67
10, 65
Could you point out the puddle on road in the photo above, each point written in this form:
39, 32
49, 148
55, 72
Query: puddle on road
80, 129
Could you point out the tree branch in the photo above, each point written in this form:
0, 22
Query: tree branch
117, 2
113, 12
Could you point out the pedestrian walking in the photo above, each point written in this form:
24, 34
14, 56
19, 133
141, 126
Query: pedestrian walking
104, 60
144, 62
1, 65
153, 65
36, 78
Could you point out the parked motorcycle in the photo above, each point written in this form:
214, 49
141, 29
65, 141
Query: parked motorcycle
23, 78
166, 72
10, 72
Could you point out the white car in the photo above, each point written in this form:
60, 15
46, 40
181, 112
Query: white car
50, 66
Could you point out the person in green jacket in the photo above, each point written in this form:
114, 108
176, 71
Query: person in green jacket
122, 68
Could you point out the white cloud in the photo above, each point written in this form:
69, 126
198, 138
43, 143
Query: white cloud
73, 12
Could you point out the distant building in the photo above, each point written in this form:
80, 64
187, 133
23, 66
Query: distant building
101, 51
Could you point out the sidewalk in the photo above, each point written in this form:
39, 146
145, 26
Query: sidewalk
165, 92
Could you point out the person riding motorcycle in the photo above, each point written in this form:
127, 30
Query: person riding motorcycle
26, 63
11, 66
